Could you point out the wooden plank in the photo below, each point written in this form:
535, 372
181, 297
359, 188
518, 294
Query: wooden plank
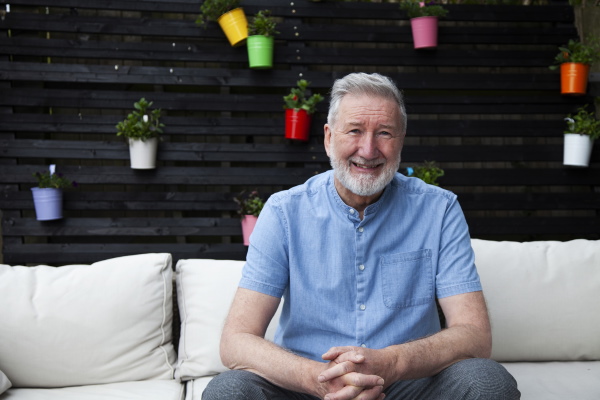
113, 227
21, 71
127, 201
96, 175
556, 12
417, 103
68, 253
84, 123
262, 153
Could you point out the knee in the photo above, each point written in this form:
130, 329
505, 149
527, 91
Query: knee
234, 385
481, 378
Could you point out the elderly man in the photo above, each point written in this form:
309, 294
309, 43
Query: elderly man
359, 255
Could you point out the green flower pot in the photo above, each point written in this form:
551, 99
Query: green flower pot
260, 51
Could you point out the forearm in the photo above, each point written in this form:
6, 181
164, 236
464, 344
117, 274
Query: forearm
428, 356
249, 352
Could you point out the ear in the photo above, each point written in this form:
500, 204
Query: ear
327, 139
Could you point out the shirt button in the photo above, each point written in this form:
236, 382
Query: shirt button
361, 229
361, 267
351, 211
363, 345
363, 307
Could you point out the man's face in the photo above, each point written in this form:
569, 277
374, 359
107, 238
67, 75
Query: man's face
364, 144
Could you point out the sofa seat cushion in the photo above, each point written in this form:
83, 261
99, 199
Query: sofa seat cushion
542, 298
139, 390
77, 325
195, 387
557, 380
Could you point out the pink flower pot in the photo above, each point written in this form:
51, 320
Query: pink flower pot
248, 223
425, 32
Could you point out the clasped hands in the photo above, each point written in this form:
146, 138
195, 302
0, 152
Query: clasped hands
352, 373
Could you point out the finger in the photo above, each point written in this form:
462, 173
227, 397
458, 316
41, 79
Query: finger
374, 393
345, 393
336, 371
335, 352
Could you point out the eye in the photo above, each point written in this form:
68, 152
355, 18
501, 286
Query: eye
384, 134
354, 132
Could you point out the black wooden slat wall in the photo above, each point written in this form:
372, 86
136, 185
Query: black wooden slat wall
483, 105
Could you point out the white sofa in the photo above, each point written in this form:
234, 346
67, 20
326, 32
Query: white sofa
103, 331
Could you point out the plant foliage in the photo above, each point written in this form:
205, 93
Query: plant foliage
141, 124
579, 52
297, 98
249, 204
415, 9
211, 10
55, 181
262, 24
584, 123
429, 172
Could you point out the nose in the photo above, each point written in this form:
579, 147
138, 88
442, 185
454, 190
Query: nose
367, 146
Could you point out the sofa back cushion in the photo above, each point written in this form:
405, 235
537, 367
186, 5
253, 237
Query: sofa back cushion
87, 324
542, 297
205, 290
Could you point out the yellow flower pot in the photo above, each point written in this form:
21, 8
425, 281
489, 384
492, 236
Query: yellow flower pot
235, 26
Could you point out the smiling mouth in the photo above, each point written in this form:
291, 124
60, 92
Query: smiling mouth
366, 167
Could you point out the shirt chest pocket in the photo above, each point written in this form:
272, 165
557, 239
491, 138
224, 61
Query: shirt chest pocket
407, 279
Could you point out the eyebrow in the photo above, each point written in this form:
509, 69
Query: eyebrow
383, 126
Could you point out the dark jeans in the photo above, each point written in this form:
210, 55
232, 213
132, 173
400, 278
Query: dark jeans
470, 379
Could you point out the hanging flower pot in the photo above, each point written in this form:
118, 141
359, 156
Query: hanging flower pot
424, 32
142, 153
260, 42
48, 203
142, 129
248, 223
582, 129
575, 59
249, 208
577, 150
297, 124
298, 111
574, 78
423, 21
235, 26
260, 51
48, 195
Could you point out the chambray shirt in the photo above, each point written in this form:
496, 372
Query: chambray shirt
352, 282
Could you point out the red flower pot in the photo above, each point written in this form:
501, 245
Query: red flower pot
297, 124
248, 223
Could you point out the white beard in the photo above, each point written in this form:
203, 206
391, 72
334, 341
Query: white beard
364, 184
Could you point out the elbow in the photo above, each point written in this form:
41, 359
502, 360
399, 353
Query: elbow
485, 349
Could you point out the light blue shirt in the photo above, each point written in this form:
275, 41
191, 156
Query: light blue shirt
352, 282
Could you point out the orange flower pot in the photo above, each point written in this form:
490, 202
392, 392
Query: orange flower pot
297, 124
574, 78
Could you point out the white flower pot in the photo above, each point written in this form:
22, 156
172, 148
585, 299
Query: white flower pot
143, 153
577, 150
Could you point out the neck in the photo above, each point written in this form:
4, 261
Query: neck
359, 203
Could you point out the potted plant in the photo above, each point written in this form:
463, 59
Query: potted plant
249, 207
142, 129
48, 195
582, 129
298, 111
229, 15
261, 31
429, 172
575, 59
423, 21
